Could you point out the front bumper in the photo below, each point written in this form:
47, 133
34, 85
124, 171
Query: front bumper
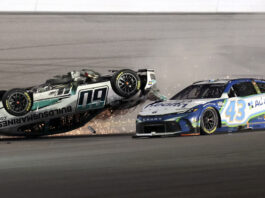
167, 125
163, 128
158, 127
157, 134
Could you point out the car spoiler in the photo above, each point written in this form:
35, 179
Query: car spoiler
140, 70
146, 70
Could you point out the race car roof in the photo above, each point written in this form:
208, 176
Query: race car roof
215, 81
224, 81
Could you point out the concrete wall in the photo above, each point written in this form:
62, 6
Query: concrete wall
213, 6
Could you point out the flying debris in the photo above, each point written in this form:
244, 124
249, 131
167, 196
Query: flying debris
91, 129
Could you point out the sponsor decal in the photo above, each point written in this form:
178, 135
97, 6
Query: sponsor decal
259, 102
159, 118
250, 105
35, 117
177, 104
146, 119
256, 103
2, 118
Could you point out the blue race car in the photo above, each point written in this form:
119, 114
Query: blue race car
206, 107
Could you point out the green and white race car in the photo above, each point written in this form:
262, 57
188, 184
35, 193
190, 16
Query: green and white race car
70, 101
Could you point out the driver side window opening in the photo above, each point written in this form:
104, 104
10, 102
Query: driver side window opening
242, 89
231, 93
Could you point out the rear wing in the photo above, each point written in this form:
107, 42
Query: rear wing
154, 93
148, 78
146, 70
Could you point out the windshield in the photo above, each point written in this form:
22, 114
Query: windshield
200, 92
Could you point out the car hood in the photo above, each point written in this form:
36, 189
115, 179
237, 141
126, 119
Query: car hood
171, 106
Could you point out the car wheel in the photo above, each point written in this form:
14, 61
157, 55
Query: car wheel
126, 83
17, 102
209, 121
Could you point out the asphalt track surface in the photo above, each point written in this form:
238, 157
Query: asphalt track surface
227, 165
180, 47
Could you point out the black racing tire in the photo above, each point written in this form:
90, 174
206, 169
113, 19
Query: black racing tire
126, 83
17, 102
209, 121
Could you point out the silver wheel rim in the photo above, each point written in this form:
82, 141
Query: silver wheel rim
127, 83
18, 102
209, 120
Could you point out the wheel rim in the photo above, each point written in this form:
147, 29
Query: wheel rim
209, 120
18, 102
127, 83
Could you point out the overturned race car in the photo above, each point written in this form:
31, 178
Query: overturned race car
69, 101
206, 107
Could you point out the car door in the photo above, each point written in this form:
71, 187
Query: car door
261, 118
244, 104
